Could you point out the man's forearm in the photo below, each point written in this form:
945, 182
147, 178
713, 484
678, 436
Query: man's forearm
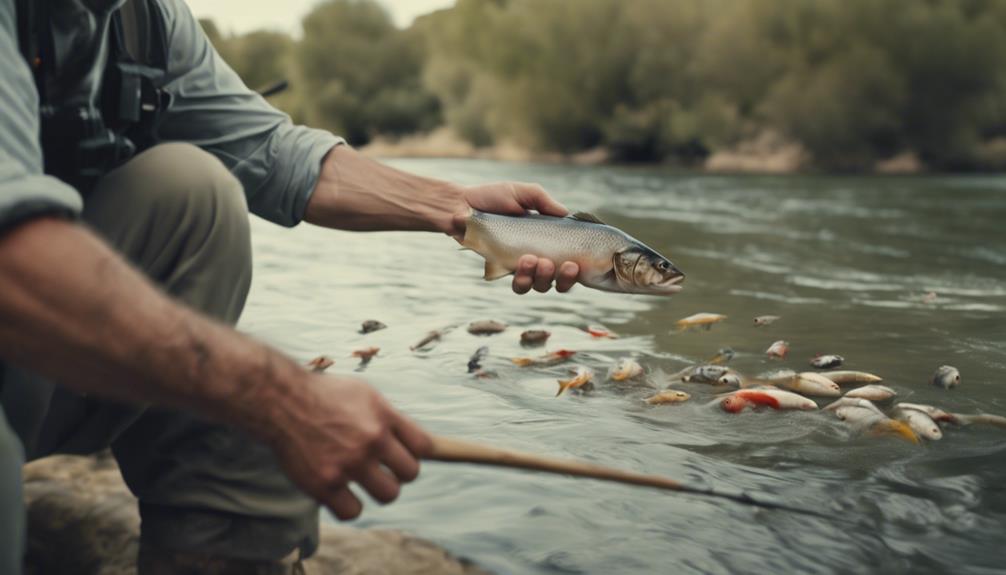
73, 310
355, 192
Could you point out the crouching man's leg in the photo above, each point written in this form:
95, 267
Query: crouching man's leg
204, 490
11, 504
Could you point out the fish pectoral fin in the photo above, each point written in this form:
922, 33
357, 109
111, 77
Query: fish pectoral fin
587, 217
495, 271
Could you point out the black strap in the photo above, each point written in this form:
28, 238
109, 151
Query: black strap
35, 39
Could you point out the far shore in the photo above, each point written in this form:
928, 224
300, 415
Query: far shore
767, 154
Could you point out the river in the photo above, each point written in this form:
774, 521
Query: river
844, 261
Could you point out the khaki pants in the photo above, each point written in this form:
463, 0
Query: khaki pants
177, 214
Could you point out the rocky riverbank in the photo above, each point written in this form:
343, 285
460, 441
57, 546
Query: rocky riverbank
83, 521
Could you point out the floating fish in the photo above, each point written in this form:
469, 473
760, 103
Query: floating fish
582, 377
947, 377
667, 396
552, 358
864, 417
920, 422
826, 361
724, 355
731, 378
432, 337
982, 418
777, 376
365, 354
937, 414
625, 368
533, 337
475, 362
705, 320
872, 392
371, 325
320, 363
609, 259
774, 398
705, 374
600, 331
486, 327
778, 349
854, 402
851, 377
809, 383
764, 320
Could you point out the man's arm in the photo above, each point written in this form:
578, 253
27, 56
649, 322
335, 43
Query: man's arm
73, 310
292, 172
357, 193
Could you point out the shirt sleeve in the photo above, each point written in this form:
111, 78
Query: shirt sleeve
277, 162
24, 191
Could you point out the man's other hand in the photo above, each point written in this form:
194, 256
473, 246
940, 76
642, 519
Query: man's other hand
341, 430
512, 198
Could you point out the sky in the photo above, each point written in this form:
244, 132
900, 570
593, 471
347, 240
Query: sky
246, 15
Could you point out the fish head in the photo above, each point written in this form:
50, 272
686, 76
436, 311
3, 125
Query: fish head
947, 377
638, 269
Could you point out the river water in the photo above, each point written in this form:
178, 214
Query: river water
843, 260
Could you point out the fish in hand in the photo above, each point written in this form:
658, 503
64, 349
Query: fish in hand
609, 259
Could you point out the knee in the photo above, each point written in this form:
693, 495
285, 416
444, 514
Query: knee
188, 178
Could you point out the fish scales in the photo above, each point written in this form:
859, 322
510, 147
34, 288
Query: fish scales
566, 239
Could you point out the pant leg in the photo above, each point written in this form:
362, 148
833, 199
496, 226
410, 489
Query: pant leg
11, 502
180, 217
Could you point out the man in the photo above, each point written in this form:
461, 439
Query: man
120, 289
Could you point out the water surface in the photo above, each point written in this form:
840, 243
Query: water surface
843, 260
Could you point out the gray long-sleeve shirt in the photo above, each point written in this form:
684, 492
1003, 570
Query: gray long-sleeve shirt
278, 163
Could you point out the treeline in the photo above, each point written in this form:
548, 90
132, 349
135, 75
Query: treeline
852, 81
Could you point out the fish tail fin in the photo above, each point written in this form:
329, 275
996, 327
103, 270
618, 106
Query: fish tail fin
564, 384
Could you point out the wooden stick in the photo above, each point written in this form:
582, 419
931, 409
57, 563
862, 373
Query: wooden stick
459, 451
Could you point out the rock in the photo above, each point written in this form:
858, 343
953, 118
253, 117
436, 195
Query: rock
82, 520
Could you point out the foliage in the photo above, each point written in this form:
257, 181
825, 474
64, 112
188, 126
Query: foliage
853, 81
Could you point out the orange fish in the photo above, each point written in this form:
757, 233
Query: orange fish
600, 331
582, 377
545, 360
366, 353
320, 363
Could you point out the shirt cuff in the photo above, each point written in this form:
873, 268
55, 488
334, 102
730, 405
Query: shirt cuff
33, 196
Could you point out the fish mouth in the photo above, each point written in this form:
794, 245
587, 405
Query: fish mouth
672, 285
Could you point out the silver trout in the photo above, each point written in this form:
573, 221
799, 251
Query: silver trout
609, 259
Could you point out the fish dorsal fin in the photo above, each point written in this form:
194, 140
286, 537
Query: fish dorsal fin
587, 217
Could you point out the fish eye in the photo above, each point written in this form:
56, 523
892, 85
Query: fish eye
662, 265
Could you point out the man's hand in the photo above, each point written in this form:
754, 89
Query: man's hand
122, 339
357, 193
341, 430
512, 198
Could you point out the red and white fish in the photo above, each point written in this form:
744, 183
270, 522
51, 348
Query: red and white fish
774, 398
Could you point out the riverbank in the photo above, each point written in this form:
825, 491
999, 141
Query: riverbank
82, 520
766, 153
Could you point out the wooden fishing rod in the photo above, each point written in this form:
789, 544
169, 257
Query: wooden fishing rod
459, 451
